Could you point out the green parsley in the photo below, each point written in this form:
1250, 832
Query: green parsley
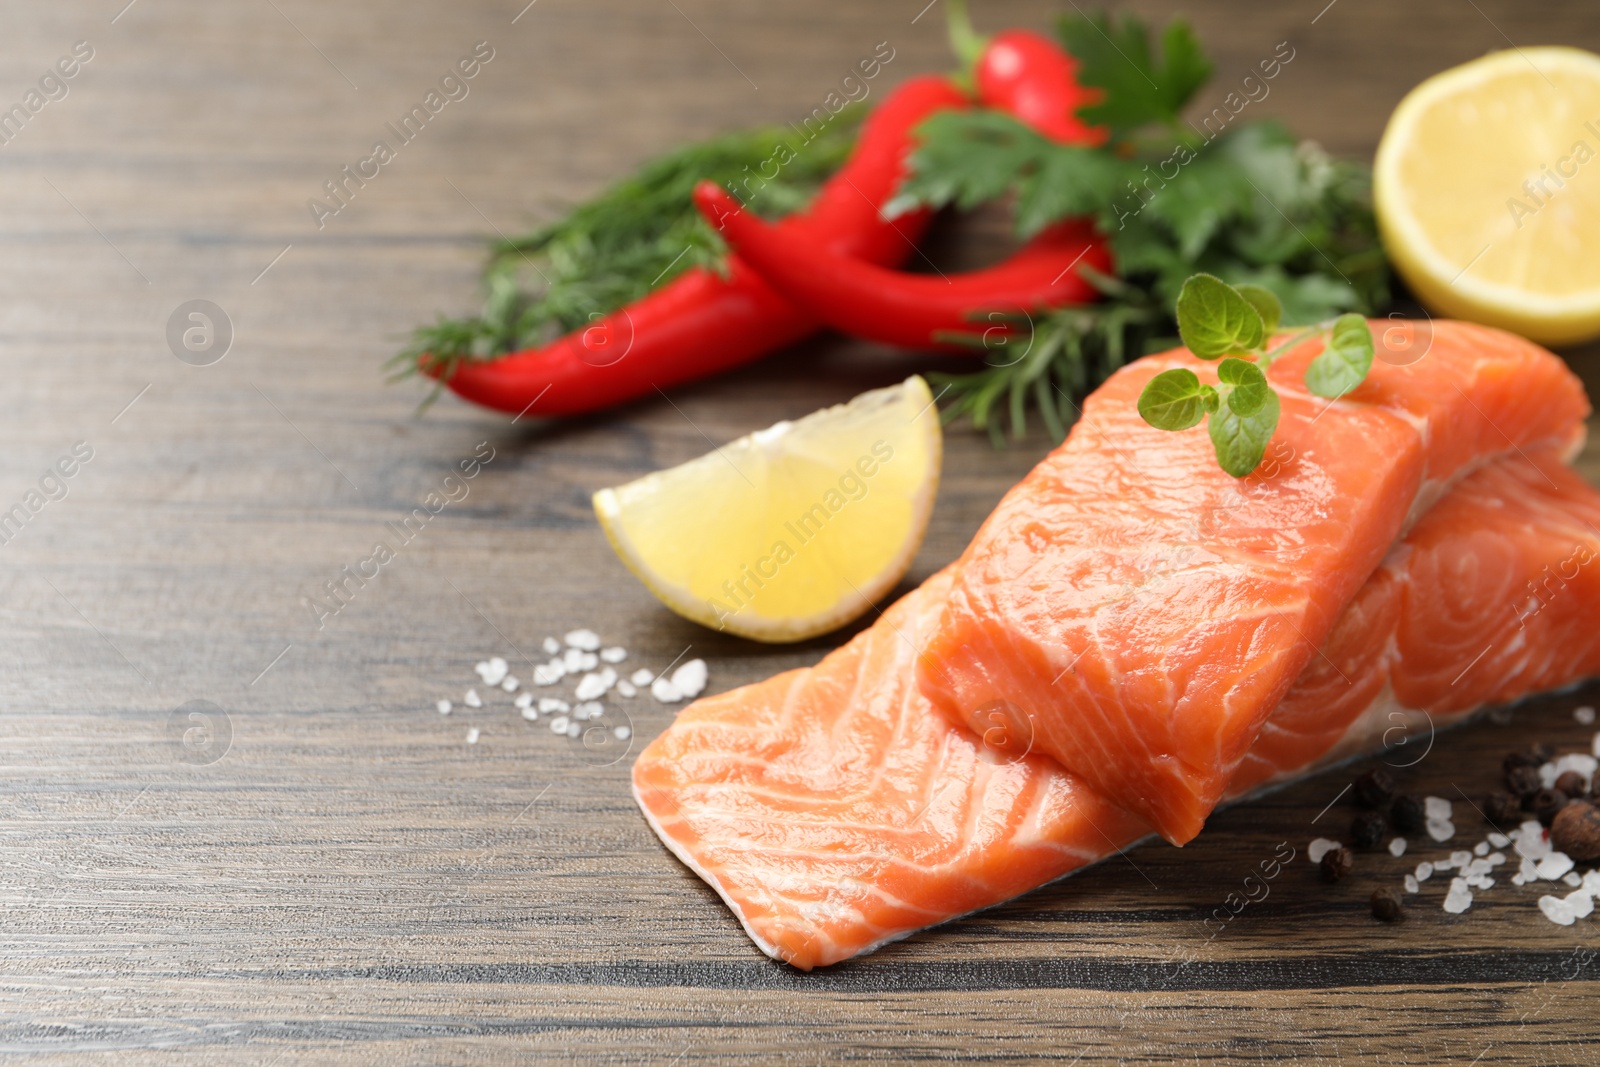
637, 235
1220, 321
1267, 214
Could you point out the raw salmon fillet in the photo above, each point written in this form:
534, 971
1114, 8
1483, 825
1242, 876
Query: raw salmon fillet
834, 810
1135, 613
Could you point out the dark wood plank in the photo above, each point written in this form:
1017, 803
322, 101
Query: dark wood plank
351, 882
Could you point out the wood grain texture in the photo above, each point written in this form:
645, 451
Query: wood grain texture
350, 882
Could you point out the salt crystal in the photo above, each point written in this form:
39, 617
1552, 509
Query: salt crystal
1460, 858
690, 679
552, 647
1591, 882
472, 736
1499, 840
625, 688
1436, 808
621, 733
559, 724
1554, 866
549, 673
1445, 864
1531, 842
1496, 858
531, 714
445, 707
1397, 847
1582, 903
1571, 878
1477, 866
472, 699
510, 684
1478, 881
614, 654
574, 730
642, 676
1481, 848
663, 690
1319, 848
525, 700
481, 668
572, 660
1459, 899
1558, 911
1441, 829
589, 709
1412, 885
1517, 879
1584, 715
1424, 871
587, 640
588, 661
549, 704
591, 686
1528, 871
493, 671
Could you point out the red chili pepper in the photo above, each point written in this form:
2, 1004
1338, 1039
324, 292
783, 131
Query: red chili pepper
1036, 80
702, 323
911, 310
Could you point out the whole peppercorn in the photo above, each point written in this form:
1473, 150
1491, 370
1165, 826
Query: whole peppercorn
1336, 863
1576, 831
1374, 788
1387, 906
1514, 760
1572, 784
1408, 814
1546, 802
1502, 810
1523, 781
1367, 829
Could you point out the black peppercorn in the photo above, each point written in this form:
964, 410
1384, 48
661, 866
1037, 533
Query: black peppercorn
1367, 830
1408, 814
1386, 906
1546, 802
1523, 781
1374, 788
1519, 759
1502, 810
1576, 831
1572, 784
1336, 863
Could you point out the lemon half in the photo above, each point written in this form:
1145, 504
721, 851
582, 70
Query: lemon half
1487, 190
791, 531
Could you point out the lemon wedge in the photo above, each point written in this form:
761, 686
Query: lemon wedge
1487, 190
791, 531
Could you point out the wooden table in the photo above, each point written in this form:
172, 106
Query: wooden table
334, 874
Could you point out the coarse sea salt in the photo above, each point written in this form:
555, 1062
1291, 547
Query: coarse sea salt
553, 704
445, 707
642, 676
1320, 847
1499, 840
551, 646
559, 724
472, 736
621, 733
1441, 829
625, 688
1584, 715
1424, 871
1571, 878
1459, 899
614, 654
1553, 866
1558, 910
663, 690
530, 713
524, 700
589, 709
690, 679
510, 683
587, 640
1397, 847
1582, 903
1412, 885
591, 686
1481, 848
549, 673
1437, 808
472, 699
1531, 841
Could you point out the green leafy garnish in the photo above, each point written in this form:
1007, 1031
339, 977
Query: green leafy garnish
1289, 228
637, 235
1243, 406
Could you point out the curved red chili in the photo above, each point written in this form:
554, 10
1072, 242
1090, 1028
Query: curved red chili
702, 323
1036, 80
911, 310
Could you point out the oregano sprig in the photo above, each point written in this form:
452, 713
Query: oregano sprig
1221, 321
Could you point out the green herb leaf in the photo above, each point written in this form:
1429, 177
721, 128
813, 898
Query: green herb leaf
1249, 385
1241, 440
1066, 181
1345, 359
1215, 320
1266, 303
966, 158
1176, 400
1137, 87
